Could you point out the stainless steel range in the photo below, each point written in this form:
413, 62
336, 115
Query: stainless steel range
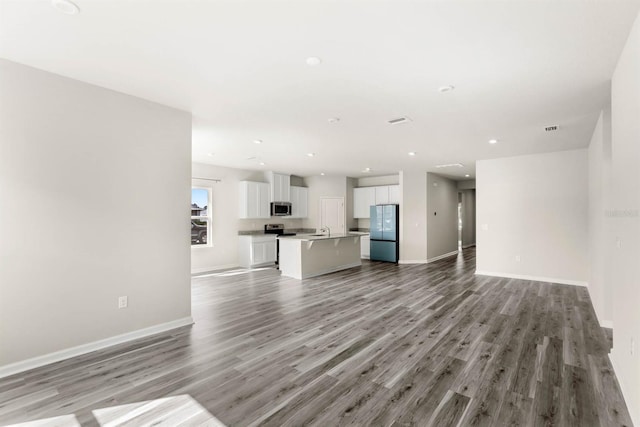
279, 230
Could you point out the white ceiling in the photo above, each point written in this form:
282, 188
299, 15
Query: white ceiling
239, 67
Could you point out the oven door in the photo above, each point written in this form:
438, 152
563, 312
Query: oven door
280, 209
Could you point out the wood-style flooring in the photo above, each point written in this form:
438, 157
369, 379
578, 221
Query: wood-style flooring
381, 344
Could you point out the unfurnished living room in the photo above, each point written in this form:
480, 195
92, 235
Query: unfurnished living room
401, 213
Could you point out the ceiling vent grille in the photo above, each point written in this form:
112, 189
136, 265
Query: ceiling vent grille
551, 128
399, 120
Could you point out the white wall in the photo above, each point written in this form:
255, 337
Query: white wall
351, 221
468, 217
94, 187
600, 286
371, 181
534, 207
442, 216
625, 220
413, 217
223, 250
469, 184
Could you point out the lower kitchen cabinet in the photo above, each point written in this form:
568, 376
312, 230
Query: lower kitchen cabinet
257, 250
365, 246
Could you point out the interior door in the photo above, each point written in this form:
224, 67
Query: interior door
332, 214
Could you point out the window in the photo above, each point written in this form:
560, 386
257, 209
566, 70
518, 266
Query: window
200, 216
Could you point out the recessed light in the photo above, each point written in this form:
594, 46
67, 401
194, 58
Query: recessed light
466, 176
312, 61
493, 141
210, 154
261, 163
322, 173
334, 120
257, 141
444, 89
311, 154
366, 170
412, 153
66, 6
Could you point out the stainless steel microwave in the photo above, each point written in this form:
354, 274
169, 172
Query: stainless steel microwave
280, 209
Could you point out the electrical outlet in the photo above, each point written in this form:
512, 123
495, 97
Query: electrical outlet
123, 302
517, 258
619, 242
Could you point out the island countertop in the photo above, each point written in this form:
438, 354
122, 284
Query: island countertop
308, 237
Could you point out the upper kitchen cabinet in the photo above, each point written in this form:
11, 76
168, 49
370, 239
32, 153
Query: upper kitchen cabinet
254, 200
280, 187
382, 195
394, 194
299, 202
363, 197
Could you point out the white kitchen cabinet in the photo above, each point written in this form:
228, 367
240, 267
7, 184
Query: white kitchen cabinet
382, 195
363, 198
365, 246
254, 200
280, 187
299, 202
257, 250
394, 194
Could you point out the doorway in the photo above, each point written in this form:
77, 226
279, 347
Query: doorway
466, 218
460, 222
332, 214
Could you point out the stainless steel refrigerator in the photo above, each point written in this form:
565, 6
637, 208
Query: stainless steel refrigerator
384, 229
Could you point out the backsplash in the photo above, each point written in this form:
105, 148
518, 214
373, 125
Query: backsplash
258, 224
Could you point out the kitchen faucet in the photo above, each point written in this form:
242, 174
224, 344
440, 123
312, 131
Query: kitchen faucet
327, 229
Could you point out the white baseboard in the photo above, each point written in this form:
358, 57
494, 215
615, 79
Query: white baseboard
213, 268
412, 261
631, 406
36, 362
468, 246
439, 257
533, 278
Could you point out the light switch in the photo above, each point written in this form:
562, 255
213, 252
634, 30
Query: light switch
485, 227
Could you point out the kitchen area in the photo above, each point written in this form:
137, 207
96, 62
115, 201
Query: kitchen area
308, 232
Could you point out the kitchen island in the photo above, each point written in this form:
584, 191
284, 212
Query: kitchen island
304, 256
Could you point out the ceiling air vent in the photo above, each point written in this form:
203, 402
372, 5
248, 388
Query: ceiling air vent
450, 165
551, 128
399, 120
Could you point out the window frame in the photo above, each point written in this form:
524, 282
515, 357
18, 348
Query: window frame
208, 218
